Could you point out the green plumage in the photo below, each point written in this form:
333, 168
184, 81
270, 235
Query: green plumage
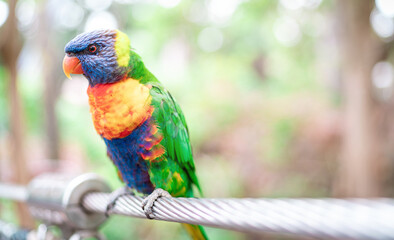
176, 141
172, 124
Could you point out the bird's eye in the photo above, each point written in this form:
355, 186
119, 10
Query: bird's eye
92, 48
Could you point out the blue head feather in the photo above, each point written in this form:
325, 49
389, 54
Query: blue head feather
101, 66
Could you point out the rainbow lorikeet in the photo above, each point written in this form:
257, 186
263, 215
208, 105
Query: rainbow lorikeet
143, 127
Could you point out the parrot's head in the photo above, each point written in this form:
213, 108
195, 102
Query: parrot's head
102, 56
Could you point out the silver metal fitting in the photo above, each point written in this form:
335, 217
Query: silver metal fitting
56, 200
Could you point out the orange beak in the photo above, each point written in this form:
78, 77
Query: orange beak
71, 65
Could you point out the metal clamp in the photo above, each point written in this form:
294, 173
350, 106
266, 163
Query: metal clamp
56, 200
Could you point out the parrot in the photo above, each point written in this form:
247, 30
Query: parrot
142, 125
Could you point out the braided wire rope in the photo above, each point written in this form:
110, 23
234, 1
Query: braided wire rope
322, 218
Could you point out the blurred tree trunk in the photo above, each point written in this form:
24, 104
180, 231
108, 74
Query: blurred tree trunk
360, 166
10, 51
51, 83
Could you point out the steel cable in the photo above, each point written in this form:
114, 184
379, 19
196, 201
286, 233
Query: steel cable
321, 218
330, 218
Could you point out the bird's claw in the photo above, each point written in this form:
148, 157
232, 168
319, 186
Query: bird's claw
149, 201
114, 196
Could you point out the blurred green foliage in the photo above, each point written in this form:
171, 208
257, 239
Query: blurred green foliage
249, 93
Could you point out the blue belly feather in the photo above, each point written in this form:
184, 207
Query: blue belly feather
124, 152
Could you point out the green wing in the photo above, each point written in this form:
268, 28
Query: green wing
171, 122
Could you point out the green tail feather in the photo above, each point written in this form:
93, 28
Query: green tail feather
196, 232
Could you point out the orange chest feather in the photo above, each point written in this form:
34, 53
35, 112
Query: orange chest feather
118, 108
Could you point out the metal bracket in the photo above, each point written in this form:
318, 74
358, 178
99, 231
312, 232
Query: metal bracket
56, 200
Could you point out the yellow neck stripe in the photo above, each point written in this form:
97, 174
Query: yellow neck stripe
122, 48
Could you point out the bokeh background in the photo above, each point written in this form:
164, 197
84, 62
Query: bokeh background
289, 98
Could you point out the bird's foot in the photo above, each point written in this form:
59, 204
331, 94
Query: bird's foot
149, 201
114, 196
